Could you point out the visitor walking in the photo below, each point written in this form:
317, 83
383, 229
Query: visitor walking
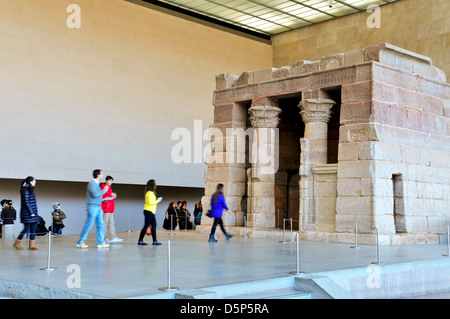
151, 203
94, 210
217, 206
28, 213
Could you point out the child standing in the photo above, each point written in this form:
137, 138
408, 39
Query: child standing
58, 217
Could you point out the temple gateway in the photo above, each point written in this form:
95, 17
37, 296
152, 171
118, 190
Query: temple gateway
357, 138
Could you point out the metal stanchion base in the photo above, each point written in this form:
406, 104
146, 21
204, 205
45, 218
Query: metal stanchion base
445, 255
355, 247
48, 268
296, 273
169, 288
377, 263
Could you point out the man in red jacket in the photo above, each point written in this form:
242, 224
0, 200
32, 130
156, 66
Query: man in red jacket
108, 210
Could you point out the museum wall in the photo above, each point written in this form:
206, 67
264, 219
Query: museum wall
421, 26
110, 93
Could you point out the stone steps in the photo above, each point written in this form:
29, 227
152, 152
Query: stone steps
269, 288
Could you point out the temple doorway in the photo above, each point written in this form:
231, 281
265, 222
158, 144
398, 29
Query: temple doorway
291, 129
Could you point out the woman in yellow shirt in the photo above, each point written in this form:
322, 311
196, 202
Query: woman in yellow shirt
149, 212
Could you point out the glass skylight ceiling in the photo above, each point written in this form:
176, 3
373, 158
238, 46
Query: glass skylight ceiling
269, 17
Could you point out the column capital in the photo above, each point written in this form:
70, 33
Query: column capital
316, 110
264, 113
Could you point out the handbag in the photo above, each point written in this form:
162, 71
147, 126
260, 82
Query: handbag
208, 213
149, 230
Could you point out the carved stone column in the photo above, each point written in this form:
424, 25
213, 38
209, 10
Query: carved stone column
264, 159
315, 113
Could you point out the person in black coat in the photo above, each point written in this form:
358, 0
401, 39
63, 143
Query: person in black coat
187, 215
28, 213
181, 215
8, 216
171, 214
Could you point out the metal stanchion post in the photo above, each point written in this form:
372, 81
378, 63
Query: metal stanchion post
129, 222
284, 231
245, 227
297, 272
448, 242
49, 250
292, 238
356, 237
171, 225
169, 287
378, 262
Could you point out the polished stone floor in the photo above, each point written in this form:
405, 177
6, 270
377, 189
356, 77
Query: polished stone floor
128, 270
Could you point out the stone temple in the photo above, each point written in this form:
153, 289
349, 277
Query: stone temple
357, 137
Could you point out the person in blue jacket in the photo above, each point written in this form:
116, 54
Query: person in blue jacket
217, 206
28, 213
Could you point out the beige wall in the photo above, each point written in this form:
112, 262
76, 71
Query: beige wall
421, 26
108, 95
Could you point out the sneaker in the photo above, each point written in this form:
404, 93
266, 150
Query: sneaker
141, 243
103, 246
116, 240
212, 239
82, 246
156, 243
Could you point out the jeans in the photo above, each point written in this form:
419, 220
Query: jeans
217, 221
57, 229
150, 219
94, 214
28, 229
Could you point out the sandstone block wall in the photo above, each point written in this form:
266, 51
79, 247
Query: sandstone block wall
417, 25
393, 161
395, 126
